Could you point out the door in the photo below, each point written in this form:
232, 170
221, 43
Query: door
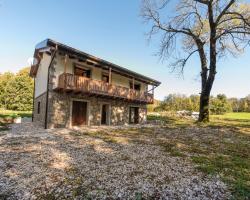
79, 113
104, 114
133, 115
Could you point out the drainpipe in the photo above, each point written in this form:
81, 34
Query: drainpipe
33, 108
47, 92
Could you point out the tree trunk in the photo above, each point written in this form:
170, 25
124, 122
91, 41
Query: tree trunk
204, 107
207, 85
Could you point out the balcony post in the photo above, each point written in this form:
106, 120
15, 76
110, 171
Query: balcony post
133, 87
65, 63
65, 70
110, 75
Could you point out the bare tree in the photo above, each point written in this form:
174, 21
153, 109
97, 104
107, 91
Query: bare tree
210, 28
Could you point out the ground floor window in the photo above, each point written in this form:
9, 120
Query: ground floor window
133, 115
38, 107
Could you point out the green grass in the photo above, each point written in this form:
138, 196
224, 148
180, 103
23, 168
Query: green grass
235, 115
223, 147
13, 114
3, 127
7, 116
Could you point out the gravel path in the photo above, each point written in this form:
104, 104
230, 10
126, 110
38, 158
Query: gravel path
66, 164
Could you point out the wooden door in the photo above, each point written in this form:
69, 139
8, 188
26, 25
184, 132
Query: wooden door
79, 113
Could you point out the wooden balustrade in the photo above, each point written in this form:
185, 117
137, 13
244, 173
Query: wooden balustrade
70, 82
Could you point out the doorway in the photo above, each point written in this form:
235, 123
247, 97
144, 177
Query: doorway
105, 114
82, 72
133, 115
79, 113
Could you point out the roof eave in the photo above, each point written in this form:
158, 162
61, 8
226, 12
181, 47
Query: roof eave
51, 43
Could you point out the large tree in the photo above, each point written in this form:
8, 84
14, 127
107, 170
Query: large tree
210, 28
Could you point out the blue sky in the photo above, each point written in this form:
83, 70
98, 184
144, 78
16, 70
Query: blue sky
112, 30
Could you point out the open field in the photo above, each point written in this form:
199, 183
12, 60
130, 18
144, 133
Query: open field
7, 116
228, 156
178, 159
11, 113
234, 115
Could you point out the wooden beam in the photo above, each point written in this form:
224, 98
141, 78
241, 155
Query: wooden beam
133, 84
65, 63
110, 75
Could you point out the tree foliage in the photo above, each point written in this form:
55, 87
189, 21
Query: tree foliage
219, 104
16, 90
240, 105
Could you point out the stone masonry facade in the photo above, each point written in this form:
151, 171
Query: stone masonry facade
60, 110
39, 117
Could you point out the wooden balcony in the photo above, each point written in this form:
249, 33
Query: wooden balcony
78, 84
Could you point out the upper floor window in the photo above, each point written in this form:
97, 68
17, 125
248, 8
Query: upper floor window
78, 71
137, 86
105, 78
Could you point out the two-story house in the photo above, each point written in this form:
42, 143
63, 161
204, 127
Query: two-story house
73, 88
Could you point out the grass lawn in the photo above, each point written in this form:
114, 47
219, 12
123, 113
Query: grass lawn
7, 115
11, 113
233, 116
222, 148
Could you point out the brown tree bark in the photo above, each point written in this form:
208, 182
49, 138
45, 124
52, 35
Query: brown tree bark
207, 81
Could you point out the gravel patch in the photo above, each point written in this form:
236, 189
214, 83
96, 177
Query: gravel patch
72, 164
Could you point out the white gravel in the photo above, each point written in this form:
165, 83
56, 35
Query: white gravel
66, 164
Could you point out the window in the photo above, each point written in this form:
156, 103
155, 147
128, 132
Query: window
38, 107
137, 86
82, 72
105, 78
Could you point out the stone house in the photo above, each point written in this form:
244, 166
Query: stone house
73, 88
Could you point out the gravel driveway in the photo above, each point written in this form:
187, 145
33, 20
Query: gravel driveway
79, 164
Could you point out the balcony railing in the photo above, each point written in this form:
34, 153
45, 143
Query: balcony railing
79, 84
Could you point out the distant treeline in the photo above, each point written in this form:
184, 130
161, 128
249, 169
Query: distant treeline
219, 104
16, 91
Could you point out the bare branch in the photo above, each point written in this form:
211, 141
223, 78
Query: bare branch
203, 1
224, 10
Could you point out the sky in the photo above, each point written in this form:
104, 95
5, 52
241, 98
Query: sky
112, 30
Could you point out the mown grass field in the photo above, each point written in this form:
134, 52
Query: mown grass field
223, 147
6, 117
11, 113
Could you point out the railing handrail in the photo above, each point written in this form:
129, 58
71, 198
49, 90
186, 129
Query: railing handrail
71, 81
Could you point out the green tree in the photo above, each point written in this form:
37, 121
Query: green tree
16, 90
5, 79
220, 105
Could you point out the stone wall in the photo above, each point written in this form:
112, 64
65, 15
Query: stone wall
39, 118
60, 108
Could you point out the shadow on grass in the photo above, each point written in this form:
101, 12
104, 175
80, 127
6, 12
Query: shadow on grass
225, 152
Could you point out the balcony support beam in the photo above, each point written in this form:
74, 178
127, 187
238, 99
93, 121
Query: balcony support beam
110, 75
65, 63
